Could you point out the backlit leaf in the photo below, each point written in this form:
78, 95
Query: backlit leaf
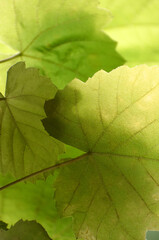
25, 147
62, 38
135, 26
112, 190
29, 201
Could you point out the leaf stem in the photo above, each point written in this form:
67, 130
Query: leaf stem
58, 165
10, 58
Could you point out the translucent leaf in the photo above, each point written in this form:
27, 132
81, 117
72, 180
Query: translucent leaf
24, 231
25, 146
30, 201
62, 38
112, 190
136, 29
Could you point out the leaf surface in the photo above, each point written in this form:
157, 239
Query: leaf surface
112, 189
25, 230
62, 38
25, 147
3, 225
34, 201
136, 29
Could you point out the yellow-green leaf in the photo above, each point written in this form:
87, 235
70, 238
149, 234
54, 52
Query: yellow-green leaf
112, 190
135, 26
64, 39
29, 201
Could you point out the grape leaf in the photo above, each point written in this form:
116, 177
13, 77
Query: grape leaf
25, 147
25, 230
34, 201
62, 38
136, 29
112, 190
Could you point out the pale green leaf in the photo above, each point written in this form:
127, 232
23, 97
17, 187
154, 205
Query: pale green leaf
25, 146
135, 26
62, 38
112, 190
25, 231
30, 201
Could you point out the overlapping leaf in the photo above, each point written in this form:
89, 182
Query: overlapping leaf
25, 147
135, 26
24, 231
62, 38
30, 201
113, 189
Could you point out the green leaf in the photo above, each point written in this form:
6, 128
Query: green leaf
25, 147
135, 26
63, 39
3, 225
112, 190
24, 231
30, 201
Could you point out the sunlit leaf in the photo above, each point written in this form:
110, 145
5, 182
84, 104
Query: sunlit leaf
30, 201
135, 26
112, 190
62, 38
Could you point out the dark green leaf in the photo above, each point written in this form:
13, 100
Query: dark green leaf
25, 231
3, 225
25, 147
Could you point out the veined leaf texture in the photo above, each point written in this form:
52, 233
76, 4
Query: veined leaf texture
112, 189
92, 153
64, 39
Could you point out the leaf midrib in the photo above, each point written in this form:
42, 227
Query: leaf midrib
64, 163
22, 51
